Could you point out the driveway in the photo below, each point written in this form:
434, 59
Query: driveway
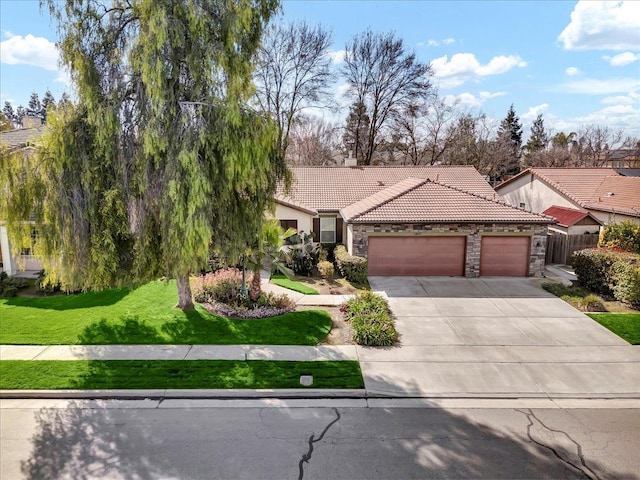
498, 337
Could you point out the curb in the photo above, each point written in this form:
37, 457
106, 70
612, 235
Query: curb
231, 394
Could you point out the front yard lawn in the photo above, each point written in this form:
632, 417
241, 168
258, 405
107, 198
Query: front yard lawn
283, 281
625, 325
145, 315
174, 374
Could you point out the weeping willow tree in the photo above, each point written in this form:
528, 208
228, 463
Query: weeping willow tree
158, 161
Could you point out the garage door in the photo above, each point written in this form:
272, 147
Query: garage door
505, 256
416, 255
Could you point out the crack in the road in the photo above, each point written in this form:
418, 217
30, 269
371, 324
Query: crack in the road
584, 469
307, 456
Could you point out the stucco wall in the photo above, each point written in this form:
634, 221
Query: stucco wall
12, 263
608, 217
536, 195
473, 232
305, 221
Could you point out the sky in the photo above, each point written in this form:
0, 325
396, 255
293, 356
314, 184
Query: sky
577, 63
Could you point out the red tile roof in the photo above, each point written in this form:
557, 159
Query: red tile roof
602, 189
333, 188
567, 217
416, 201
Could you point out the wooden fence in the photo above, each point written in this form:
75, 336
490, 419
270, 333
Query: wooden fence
561, 247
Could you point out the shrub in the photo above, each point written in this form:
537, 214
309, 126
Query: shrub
351, 267
592, 269
326, 269
609, 273
9, 286
623, 235
268, 305
371, 320
303, 256
592, 303
626, 282
578, 297
222, 286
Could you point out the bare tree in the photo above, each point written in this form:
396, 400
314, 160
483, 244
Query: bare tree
595, 143
471, 143
292, 73
384, 78
313, 142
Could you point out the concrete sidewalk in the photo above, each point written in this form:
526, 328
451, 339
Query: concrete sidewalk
179, 352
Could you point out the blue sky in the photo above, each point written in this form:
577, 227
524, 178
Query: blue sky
576, 63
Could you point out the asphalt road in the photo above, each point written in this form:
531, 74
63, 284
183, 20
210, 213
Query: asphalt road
47, 439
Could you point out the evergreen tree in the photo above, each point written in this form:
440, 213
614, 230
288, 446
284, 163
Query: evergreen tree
509, 145
48, 101
159, 160
34, 107
20, 113
356, 132
9, 113
537, 143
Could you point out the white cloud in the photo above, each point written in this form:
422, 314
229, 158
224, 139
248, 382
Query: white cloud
463, 67
622, 59
533, 112
603, 25
616, 116
336, 56
592, 86
572, 71
468, 100
29, 50
631, 99
435, 43
488, 95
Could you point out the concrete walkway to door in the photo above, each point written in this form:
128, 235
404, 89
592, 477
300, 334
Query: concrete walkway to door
494, 337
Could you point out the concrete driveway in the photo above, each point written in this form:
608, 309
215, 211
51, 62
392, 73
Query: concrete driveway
496, 337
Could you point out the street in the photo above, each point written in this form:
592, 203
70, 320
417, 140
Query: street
295, 439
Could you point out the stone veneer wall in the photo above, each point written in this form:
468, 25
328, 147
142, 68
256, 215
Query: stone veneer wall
473, 232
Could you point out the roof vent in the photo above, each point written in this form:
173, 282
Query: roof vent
380, 183
608, 194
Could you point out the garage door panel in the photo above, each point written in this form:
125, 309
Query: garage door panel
505, 256
417, 255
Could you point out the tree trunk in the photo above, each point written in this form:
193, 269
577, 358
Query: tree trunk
185, 301
256, 288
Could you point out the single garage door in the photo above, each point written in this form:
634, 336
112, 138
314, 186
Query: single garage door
505, 256
416, 255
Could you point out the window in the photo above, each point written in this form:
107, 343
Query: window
327, 229
522, 204
287, 224
27, 251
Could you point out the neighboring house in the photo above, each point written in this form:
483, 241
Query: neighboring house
610, 195
14, 256
416, 220
572, 221
624, 158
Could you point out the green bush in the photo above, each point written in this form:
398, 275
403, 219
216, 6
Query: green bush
352, 268
222, 286
626, 282
326, 269
371, 320
592, 303
623, 235
9, 286
592, 269
609, 273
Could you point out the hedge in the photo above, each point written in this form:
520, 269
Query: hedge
352, 268
609, 273
623, 235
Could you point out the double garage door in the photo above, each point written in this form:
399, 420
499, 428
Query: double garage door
445, 256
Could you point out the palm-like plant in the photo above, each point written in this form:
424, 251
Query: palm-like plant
268, 252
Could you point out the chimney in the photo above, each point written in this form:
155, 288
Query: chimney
31, 121
350, 161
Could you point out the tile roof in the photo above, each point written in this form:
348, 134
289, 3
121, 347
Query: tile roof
333, 188
21, 137
567, 217
590, 187
428, 201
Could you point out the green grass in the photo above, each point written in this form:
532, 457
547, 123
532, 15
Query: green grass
174, 374
283, 281
625, 325
145, 315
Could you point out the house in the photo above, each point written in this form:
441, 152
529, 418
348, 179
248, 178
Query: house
572, 221
16, 257
440, 220
610, 195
